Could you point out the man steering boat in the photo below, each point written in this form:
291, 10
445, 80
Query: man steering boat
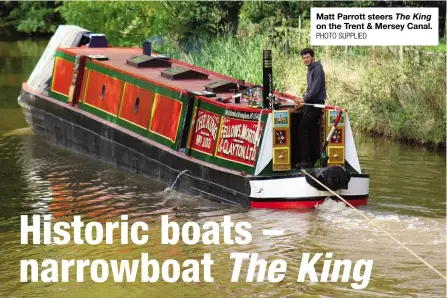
315, 94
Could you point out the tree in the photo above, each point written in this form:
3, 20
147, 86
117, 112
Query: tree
127, 23
194, 19
124, 23
30, 17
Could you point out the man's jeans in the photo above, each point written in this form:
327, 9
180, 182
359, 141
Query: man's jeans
308, 134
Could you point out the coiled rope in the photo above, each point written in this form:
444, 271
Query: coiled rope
378, 227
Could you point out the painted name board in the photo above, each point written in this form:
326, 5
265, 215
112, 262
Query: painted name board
205, 132
239, 140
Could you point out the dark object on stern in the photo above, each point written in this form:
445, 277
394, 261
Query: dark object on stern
335, 178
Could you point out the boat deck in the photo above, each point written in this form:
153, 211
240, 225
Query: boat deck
117, 58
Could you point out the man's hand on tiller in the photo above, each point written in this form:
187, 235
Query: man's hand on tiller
299, 104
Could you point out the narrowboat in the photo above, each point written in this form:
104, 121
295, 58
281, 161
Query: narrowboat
211, 135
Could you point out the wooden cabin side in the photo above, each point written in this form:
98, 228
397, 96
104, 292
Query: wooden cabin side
195, 125
147, 109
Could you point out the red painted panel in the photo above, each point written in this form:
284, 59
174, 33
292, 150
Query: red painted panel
238, 140
142, 114
204, 131
112, 92
63, 74
165, 117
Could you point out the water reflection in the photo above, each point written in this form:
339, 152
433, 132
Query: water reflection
407, 179
17, 60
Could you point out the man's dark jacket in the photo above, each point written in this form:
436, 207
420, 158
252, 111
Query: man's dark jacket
316, 85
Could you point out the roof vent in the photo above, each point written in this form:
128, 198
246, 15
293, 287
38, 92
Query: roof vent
148, 61
221, 86
178, 73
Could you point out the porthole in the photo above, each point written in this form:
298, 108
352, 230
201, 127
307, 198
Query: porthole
103, 92
136, 105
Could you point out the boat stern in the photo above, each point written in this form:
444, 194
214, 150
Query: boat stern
294, 191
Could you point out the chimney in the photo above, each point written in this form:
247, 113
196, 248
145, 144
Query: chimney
267, 78
147, 47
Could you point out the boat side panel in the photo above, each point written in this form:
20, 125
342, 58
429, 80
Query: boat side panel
133, 112
63, 73
103, 92
165, 118
202, 136
356, 186
235, 146
63, 68
125, 91
93, 136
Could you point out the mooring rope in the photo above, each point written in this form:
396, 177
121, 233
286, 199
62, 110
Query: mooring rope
370, 221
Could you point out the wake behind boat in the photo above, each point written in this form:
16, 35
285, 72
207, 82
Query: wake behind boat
221, 137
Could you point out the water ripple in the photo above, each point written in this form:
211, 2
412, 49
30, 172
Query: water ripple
407, 200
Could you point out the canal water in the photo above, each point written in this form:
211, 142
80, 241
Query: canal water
407, 199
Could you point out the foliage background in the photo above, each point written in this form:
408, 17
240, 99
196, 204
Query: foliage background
387, 94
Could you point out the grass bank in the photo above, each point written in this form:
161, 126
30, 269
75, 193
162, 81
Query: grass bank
385, 96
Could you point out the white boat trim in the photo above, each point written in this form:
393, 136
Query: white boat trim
297, 187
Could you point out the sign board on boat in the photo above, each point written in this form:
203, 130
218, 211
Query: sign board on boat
239, 141
205, 132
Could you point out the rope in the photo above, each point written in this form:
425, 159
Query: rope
388, 234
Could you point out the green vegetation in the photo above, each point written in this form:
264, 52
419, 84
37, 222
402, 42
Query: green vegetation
131, 22
387, 93
402, 100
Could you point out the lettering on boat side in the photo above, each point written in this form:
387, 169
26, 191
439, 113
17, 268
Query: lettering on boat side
238, 140
205, 131
44, 230
241, 115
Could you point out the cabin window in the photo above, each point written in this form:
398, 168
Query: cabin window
103, 92
137, 104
